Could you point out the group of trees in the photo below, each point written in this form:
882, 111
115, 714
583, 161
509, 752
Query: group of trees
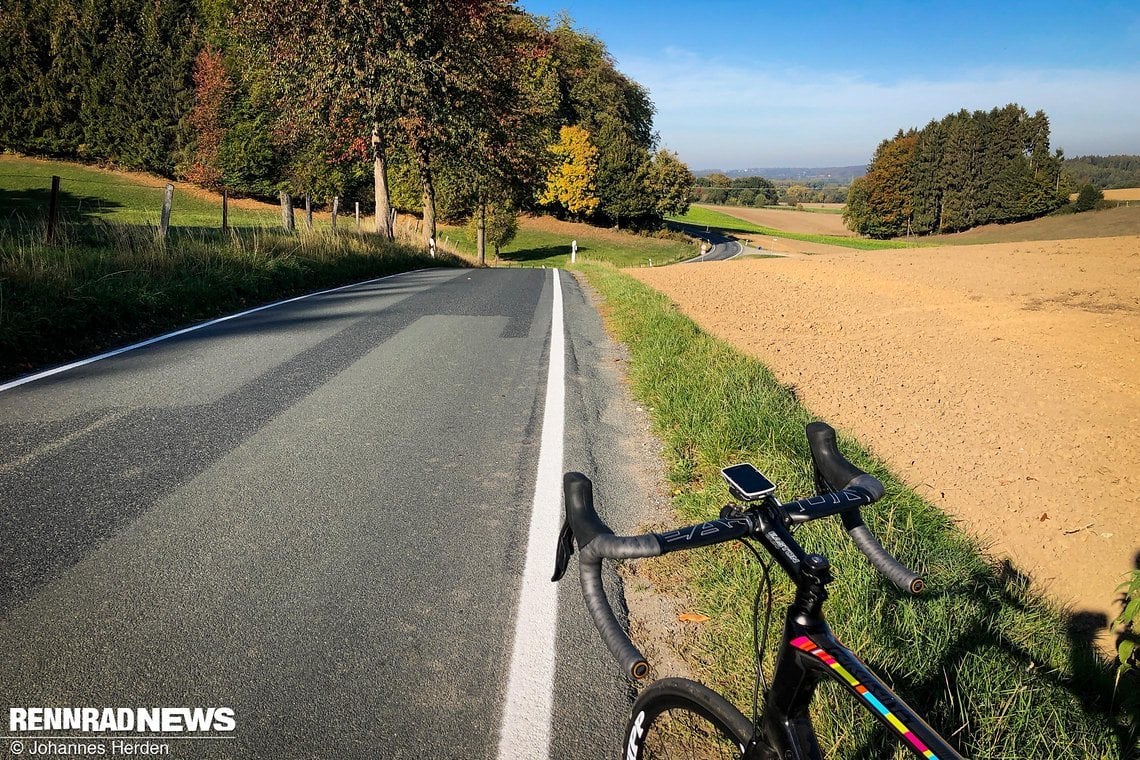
1104, 172
965, 170
453, 109
721, 189
98, 79
740, 191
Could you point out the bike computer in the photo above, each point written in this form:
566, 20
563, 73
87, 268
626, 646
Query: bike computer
747, 483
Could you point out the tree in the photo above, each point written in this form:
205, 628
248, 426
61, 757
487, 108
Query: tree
212, 88
344, 77
572, 181
880, 204
623, 174
1088, 198
499, 226
669, 181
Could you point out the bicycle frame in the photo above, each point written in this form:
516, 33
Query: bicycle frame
810, 653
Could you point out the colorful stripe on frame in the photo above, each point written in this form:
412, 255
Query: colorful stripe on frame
809, 646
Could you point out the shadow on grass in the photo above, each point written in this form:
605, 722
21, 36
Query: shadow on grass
539, 253
26, 211
1091, 684
744, 227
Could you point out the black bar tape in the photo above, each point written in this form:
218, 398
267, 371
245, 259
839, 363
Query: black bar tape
897, 573
597, 542
593, 593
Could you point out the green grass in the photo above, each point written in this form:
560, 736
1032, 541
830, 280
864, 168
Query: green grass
533, 247
995, 668
108, 281
705, 217
90, 196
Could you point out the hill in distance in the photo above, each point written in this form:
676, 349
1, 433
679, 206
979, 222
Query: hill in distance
831, 174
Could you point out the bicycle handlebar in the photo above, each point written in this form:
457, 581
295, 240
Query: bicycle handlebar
595, 542
834, 473
844, 487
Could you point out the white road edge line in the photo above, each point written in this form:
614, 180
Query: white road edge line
527, 713
183, 331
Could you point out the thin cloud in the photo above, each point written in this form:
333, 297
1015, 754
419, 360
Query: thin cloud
719, 115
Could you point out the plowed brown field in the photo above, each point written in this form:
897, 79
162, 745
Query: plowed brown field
1001, 381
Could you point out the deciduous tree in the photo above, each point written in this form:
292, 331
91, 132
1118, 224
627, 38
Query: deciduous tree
572, 181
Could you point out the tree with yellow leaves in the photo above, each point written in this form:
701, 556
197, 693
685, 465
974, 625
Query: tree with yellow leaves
572, 181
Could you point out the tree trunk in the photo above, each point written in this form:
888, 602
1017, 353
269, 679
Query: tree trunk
481, 232
423, 156
380, 176
429, 210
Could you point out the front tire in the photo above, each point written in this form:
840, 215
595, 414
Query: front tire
679, 718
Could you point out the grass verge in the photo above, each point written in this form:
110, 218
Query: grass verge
537, 246
996, 669
116, 283
704, 217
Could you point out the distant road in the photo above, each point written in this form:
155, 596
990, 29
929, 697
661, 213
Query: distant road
316, 515
723, 246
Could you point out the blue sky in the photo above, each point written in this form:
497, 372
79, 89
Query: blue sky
749, 84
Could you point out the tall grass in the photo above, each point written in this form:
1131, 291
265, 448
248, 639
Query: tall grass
103, 284
992, 665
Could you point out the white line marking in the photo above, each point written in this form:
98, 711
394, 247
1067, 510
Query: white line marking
183, 331
525, 730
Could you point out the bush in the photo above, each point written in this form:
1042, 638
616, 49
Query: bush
1088, 198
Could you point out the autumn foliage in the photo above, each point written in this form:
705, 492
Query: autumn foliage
571, 183
212, 88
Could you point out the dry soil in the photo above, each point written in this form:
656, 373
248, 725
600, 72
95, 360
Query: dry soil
1001, 381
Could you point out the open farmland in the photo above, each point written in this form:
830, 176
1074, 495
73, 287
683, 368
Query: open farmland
789, 220
1002, 381
1123, 194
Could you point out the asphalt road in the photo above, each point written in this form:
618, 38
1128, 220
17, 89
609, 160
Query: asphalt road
722, 247
316, 516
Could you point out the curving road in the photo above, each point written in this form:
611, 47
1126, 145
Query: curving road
723, 247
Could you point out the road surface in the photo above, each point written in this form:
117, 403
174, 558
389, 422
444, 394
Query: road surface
317, 516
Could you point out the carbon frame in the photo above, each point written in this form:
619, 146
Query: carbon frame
809, 653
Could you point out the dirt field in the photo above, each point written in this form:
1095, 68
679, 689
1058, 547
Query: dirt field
1123, 194
789, 220
1001, 381
1120, 194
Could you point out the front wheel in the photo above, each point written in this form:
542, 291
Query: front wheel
679, 718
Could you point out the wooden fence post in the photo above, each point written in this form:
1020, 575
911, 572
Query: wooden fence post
336, 207
287, 211
167, 203
225, 210
308, 212
53, 210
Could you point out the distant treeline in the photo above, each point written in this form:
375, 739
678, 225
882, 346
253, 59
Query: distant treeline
965, 170
721, 189
434, 105
1105, 172
827, 175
